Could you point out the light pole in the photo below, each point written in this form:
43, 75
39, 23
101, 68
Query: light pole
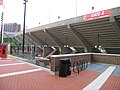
2, 27
76, 8
58, 17
66, 43
24, 26
98, 37
98, 47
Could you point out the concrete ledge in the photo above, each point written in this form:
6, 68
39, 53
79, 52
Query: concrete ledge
90, 57
55, 59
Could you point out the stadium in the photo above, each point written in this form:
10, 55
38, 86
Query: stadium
80, 53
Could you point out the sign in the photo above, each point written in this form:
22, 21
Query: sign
97, 15
1, 2
3, 49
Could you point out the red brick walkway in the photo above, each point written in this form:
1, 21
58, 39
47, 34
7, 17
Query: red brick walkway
15, 68
9, 60
113, 83
43, 80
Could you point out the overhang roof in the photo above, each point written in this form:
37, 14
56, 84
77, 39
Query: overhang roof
79, 33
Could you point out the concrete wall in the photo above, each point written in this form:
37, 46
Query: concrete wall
55, 59
91, 57
106, 58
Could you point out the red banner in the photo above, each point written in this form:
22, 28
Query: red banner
97, 15
1, 2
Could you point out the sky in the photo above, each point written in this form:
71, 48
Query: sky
40, 12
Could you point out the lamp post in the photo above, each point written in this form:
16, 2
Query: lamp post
98, 40
58, 17
76, 8
24, 25
2, 27
66, 43
98, 47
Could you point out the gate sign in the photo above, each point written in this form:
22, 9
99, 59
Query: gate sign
97, 15
3, 49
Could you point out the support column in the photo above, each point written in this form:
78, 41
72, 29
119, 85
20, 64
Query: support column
59, 43
115, 24
85, 43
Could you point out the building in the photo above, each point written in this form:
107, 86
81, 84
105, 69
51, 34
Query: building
11, 28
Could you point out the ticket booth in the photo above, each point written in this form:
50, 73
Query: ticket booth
3, 50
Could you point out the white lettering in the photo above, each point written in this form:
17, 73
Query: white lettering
102, 13
97, 14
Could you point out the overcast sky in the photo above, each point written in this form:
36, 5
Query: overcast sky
45, 11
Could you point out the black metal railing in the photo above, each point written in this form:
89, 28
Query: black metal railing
79, 66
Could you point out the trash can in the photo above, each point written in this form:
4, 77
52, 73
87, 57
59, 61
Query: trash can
64, 68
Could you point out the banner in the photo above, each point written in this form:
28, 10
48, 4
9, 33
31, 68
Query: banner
1, 2
97, 15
